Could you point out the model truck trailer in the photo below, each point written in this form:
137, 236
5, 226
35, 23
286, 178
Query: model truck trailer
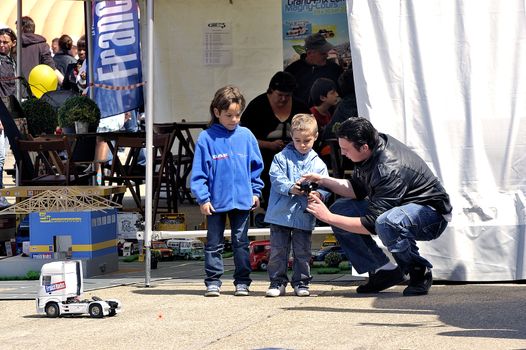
60, 288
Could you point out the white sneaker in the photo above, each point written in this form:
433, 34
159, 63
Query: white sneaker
212, 291
301, 291
241, 290
275, 290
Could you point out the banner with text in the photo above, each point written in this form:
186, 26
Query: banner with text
302, 18
117, 80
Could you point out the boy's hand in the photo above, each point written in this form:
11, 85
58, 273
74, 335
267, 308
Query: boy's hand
207, 208
255, 202
295, 189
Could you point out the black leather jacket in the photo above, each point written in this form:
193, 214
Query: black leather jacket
393, 176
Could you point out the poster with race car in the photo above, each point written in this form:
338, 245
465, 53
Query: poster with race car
302, 18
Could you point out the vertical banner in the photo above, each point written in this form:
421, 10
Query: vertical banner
117, 80
302, 18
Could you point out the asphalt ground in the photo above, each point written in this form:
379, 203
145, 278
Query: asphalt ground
172, 313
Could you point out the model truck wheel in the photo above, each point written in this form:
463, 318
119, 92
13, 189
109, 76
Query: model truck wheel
52, 310
95, 310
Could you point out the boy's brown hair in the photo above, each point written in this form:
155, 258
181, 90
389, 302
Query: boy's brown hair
304, 122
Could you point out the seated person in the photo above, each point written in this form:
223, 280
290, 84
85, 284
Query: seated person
268, 116
324, 96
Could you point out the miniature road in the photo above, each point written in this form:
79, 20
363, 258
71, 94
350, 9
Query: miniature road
173, 314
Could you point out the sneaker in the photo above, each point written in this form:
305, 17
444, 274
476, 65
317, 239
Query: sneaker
212, 291
275, 290
381, 280
241, 290
301, 291
420, 280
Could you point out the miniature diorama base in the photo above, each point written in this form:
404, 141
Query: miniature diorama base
89, 236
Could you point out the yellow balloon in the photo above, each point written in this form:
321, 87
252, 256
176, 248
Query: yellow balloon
42, 79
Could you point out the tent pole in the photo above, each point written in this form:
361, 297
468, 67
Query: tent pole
149, 141
88, 8
19, 50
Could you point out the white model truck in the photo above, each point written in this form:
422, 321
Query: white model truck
61, 286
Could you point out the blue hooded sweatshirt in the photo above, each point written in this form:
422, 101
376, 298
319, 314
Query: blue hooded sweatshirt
284, 208
226, 168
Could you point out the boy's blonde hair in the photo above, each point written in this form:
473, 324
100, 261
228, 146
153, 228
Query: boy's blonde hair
304, 122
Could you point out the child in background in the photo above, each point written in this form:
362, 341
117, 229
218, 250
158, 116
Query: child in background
225, 182
324, 96
289, 223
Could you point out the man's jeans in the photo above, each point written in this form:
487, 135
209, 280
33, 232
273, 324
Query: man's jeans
398, 228
281, 239
214, 267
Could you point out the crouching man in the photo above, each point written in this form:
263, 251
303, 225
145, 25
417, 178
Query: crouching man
391, 193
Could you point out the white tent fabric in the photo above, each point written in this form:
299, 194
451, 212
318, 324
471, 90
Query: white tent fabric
448, 78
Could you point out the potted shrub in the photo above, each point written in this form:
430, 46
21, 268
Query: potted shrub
333, 259
79, 109
41, 116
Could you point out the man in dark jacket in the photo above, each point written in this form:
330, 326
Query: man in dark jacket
35, 50
391, 193
313, 64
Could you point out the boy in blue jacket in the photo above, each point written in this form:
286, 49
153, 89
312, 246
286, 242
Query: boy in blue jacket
289, 222
225, 182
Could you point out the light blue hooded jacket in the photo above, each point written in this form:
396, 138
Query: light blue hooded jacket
226, 168
286, 209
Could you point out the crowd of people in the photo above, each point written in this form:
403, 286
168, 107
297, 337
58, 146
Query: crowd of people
68, 61
272, 154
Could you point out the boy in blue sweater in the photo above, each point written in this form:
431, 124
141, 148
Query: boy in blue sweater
225, 182
289, 222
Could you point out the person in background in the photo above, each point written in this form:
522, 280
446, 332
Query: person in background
346, 108
391, 193
324, 97
313, 64
290, 224
54, 47
75, 69
7, 88
226, 183
268, 116
35, 50
63, 56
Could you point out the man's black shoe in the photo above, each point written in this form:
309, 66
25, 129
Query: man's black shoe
381, 280
420, 281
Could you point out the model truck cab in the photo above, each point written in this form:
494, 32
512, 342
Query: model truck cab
60, 287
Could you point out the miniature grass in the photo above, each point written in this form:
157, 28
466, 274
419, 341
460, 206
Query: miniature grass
29, 276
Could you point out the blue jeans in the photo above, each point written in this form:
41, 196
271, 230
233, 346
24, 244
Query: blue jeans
214, 268
281, 239
398, 228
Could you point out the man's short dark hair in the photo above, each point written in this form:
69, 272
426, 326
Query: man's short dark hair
359, 131
28, 25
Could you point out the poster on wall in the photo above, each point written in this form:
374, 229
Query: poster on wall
302, 18
217, 44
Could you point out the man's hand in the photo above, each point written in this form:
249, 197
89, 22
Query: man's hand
317, 208
312, 177
207, 209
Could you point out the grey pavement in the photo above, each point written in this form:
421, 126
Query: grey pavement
173, 314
